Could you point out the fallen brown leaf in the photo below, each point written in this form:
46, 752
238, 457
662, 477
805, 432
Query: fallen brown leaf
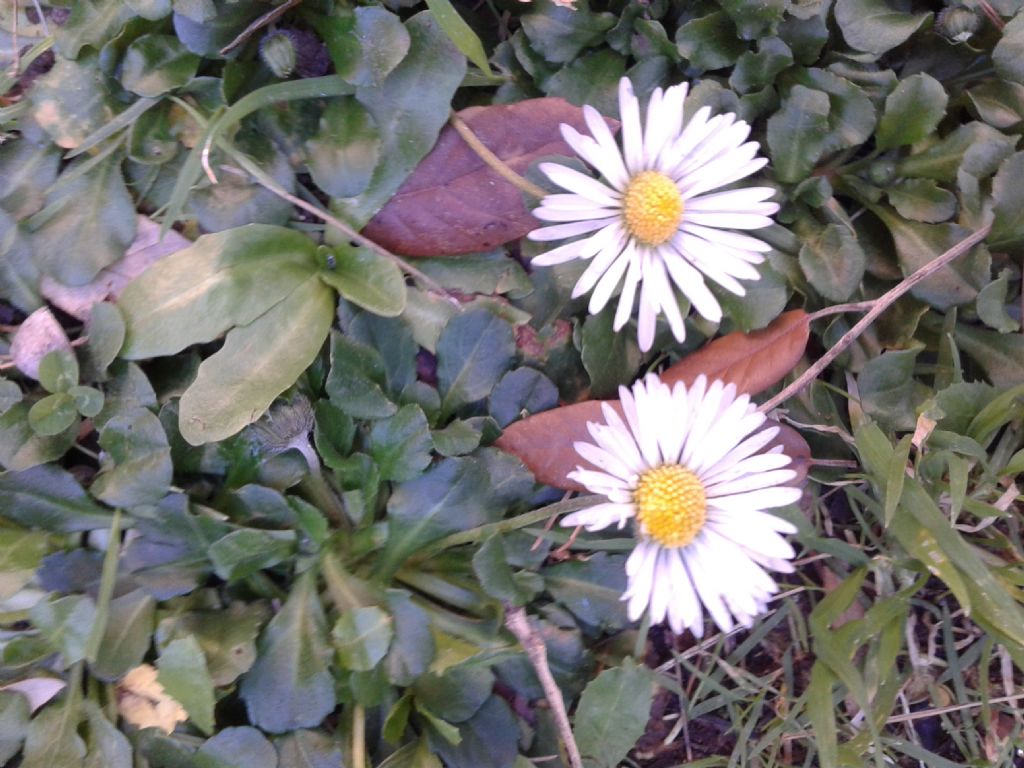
143, 702
754, 361
453, 203
35, 338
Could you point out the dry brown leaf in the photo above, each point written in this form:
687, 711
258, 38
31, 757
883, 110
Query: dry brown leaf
752, 361
35, 338
544, 441
453, 202
143, 702
146, 249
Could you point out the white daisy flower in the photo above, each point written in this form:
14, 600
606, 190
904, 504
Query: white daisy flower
686, 468
652, 221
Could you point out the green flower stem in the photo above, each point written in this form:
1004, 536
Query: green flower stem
477, 535
316, 488
346, 591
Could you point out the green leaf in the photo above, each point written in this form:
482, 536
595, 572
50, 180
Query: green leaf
710, 42
490, 564
127, 636
53, 414
27, 169
290, 685
796, 133
238, 747
14, 717
448, 497
991, 303
755, 18
156, 64
184, 676
521, 392
65, 623
560, 34
52, 740
21, 448
50, 498
921, 200
10, 395
833, 262
609, 357
71, 100
58, 370
92, 22
227, 637
343, 153
137, 464
361, 637
223, 280
383, 42
244, 552
88, 401
998, 103
613, 713
918, 244
1008, 201
367, 279
474, 351
460, 33
941, 160
410, 107
592, 79
457, 439
309, 749
754, 71
412, 649
872, 26
1001, 356
592, 589
401, 444
489, 738
456, 695
257, 363
354, 383
911, 111
94, 211
211, 26
887, 388
1008, 55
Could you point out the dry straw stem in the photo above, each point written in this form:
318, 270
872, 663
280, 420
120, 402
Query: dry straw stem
878, 306
492, 160
346, 230
519, 625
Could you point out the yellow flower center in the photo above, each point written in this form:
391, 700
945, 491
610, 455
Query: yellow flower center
652, 207
670, 504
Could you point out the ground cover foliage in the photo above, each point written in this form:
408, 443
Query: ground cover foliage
269, 501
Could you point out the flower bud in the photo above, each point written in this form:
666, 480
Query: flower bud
278, 52
958, 23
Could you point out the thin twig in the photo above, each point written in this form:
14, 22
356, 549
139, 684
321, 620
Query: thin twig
519, 625
262, 21
492, 160
838, 309
350, 233
881, 304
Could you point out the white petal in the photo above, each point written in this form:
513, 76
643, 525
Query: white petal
581, 184
701, 562
691, 283
751, 482
684, 610
632, 136
628, 297
563, 231
765, 498
609, 281
599, 516
666, 297
616, 172
603, 459
647, 320
606, 256
769, 544
733, 240
730, 220
607, 161
731, 200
